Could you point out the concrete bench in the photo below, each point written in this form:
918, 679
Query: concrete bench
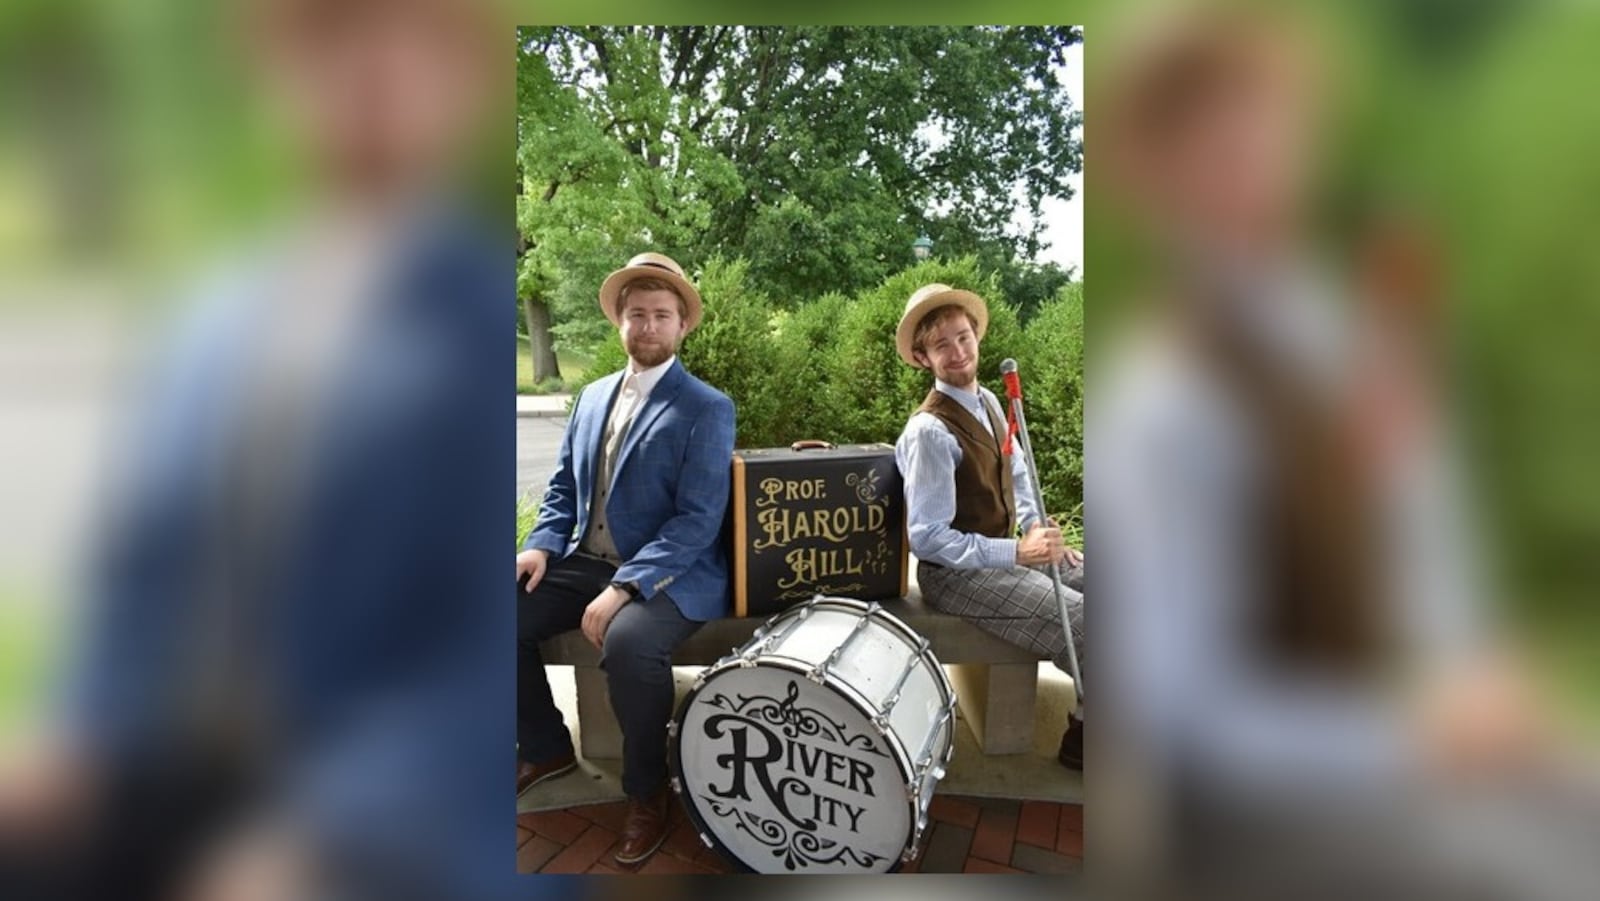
996, 682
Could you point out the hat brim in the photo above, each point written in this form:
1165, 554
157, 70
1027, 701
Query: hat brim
912, 317
611, 289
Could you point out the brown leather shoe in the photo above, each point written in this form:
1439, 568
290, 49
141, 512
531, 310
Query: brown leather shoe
644, 829
1071, 753
531, 774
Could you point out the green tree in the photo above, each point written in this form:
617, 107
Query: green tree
1027, 286
851, 141
817, 154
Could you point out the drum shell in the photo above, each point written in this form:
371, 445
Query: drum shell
818, 521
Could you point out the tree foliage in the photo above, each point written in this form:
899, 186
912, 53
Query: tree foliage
817, 154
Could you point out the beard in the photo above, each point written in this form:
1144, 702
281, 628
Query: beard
646, 353
964, 378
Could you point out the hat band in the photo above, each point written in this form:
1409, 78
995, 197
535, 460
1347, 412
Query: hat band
662, 267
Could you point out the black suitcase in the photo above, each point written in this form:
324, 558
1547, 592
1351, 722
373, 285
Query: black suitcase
816, 519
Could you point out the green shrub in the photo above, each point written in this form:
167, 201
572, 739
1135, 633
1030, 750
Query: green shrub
870, 390
828, 368
732, 350
873, 392
608, 358
1051, 364
802, 339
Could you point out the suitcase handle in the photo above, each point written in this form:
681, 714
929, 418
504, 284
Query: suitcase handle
811, 444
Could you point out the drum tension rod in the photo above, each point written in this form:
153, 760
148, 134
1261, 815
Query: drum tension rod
772, 636
924, 763
881, 721
914, 847
820, 672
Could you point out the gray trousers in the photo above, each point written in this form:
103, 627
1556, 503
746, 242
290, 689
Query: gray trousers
636, 657
1017, 605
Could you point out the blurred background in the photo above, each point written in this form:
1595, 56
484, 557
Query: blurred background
1335, 486
1460, 133
121, 166
249, 273
1455, 146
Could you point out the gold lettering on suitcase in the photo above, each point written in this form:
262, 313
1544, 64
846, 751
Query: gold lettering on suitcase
779, 525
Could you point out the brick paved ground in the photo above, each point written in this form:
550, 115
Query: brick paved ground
969, 835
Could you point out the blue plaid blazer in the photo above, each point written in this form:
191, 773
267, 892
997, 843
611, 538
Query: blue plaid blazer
668, 495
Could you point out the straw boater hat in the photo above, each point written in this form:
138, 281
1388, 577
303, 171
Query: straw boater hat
927, 299
650, 265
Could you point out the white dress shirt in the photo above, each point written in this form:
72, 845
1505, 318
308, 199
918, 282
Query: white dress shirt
649, 378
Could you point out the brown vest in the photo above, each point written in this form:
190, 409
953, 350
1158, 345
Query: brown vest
985, 500
1324, 606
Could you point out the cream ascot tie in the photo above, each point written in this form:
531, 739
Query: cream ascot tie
621, 418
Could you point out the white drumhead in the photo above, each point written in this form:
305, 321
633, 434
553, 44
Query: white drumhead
787, 775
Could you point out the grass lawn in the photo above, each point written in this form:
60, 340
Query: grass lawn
572, 365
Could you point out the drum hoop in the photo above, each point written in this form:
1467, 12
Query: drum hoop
914, 638
853, 697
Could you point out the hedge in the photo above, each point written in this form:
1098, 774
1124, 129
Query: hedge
828, 367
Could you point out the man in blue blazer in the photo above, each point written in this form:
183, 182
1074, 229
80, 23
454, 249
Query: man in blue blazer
628, 547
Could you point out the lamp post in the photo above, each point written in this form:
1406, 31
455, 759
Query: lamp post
922, 248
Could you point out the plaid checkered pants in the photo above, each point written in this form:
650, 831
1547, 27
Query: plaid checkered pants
1017, 605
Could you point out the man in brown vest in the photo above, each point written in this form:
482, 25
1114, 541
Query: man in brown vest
966, 496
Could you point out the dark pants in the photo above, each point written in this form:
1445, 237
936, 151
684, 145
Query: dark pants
636, 657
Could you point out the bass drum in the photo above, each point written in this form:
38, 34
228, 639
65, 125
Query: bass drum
815, 747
